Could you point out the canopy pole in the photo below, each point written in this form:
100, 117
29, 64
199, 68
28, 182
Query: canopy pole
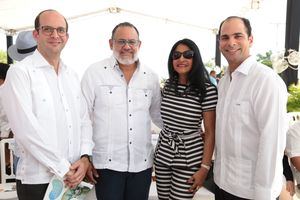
292, 37
9, 42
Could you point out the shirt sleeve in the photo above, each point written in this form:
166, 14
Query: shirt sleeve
155, 103
270, 113
4, 126
18, 107
209, 102
293, 140
87, 143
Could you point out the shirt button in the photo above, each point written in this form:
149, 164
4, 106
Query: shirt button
105, 67
146, 95
122, 75
130, 129
70, 126
109, 160
145, 160
129, 100
129, 142
129, 115
110, 92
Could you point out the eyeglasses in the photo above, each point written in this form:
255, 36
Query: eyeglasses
123, 42
186, 54
48, 30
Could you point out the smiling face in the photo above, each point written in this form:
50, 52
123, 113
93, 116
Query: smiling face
182, 65
234, 42
126, 54
50, 44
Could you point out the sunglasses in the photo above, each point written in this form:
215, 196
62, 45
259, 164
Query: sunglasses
186, 54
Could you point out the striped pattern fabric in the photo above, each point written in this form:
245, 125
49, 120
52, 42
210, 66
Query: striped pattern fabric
171, 182
179, 149
180, 142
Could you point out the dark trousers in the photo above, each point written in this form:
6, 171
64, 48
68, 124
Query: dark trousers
114, 185
223, 195
31, 191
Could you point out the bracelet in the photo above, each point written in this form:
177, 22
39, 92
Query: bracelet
205, 166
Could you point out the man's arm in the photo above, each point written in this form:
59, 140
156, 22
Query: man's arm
81, 166
18, 106
270, 114
155, 103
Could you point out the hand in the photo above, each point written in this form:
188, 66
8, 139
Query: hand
197, 179
77, 172
92, 173
290, 187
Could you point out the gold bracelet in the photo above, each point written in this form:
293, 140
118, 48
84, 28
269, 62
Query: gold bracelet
205, 166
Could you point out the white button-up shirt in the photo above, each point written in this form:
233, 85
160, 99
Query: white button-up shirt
251, 130
121, 114
293, 140
48, 116
4, 126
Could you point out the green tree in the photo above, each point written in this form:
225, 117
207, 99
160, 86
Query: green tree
3, 56
293, 104
265, 58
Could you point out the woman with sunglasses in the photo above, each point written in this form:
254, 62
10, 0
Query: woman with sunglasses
182, 158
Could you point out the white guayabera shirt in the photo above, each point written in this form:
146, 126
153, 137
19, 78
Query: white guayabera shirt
121, 114
48, 116
251, 130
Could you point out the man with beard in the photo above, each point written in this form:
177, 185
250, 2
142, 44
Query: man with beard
123, 96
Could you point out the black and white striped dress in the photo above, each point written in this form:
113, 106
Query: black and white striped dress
180, 143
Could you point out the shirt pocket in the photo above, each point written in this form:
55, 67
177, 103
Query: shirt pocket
241, 111
142, 98
111, 96
240, 172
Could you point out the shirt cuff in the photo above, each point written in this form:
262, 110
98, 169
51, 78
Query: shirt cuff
62, 168
86, 149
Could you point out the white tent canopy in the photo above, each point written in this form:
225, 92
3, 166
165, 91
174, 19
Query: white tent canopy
160, 22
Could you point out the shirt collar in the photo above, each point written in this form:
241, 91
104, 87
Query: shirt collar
40, 61
244, 67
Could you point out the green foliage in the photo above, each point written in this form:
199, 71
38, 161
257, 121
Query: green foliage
3, 56
265, 58
293, 104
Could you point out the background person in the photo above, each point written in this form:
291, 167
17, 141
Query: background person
251, 120
182, 159
123, 96
25, 46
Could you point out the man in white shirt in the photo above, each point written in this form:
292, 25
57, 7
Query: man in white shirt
47, 113
251, 121
123, 96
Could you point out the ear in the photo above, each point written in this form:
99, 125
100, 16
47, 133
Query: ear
250, 40
35, 34
111, 43
67, 37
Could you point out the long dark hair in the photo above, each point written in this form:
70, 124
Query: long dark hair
198, 75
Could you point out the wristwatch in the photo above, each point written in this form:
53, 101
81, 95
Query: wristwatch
90, 158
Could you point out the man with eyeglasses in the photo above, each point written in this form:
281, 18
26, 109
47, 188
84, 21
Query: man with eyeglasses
123, 96
47, 113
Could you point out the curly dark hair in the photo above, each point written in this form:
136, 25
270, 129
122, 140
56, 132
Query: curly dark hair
198, 76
